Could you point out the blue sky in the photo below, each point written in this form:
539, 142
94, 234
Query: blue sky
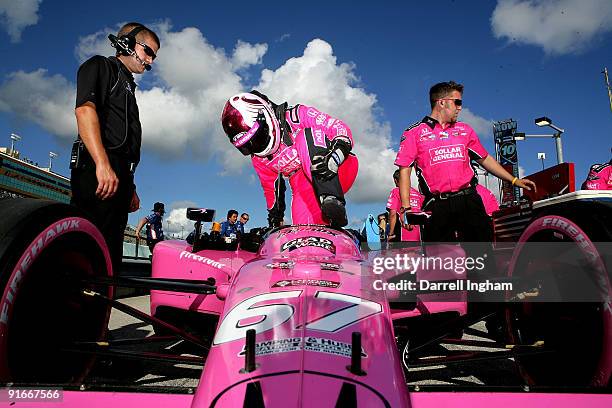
368, 64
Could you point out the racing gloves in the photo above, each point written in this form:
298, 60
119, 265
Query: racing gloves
326, 167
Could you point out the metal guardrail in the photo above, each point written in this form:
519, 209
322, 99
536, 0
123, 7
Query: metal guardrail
134, 249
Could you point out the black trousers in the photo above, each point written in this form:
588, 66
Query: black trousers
458, 218
110, 215
462, 218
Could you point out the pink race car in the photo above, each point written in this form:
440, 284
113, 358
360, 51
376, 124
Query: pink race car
287, 318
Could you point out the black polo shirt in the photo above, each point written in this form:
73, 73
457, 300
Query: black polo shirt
109, 85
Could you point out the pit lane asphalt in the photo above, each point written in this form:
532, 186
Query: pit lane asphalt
121, 372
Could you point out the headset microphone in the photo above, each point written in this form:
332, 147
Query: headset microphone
121, 44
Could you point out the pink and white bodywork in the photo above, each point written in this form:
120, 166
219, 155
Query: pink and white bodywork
304, 295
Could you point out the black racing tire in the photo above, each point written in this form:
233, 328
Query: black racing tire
578, 333
46, 250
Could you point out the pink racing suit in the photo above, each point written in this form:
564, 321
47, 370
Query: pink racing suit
488, 199
441, 156
395, 203
599, 178
309, 132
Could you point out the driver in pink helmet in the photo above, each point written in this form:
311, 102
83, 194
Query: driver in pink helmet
309, 147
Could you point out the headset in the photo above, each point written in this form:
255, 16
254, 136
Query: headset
126, 44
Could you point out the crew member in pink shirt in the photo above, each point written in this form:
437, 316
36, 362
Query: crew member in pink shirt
439, 148
394, 203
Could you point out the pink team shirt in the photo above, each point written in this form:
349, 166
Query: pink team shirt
599, 178
395, 203
441, 156
488, 199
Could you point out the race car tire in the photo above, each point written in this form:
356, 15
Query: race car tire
46, 250
578, 334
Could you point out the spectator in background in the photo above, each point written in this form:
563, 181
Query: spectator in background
155, 232
244, 218
394, 203
229, 227
383, 226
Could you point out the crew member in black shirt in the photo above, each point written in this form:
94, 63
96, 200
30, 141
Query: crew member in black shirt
107, 150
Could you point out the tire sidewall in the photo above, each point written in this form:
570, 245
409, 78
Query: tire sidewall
27, 255
560, 224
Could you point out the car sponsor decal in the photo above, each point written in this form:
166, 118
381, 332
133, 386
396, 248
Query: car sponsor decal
275, 346
329, 346
306, 282
280, 265
328, 266
316, 344
306, 228
201, 259
309, 242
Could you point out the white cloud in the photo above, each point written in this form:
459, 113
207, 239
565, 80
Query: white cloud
558, 26
246, 54
179, 113
192, 79
316, 79
47, 100
483, 127
176, 222
16, 15
95, 44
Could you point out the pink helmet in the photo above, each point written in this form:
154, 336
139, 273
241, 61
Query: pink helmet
251, 125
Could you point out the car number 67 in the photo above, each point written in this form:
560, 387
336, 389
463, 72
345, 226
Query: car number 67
265, 317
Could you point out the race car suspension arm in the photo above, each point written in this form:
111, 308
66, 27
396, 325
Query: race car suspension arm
448, 328
146, 318
104, 349
463, 357
171, 285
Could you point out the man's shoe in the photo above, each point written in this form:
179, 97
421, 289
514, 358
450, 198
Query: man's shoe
334, 211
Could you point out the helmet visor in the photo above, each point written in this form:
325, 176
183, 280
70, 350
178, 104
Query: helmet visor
255, 140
